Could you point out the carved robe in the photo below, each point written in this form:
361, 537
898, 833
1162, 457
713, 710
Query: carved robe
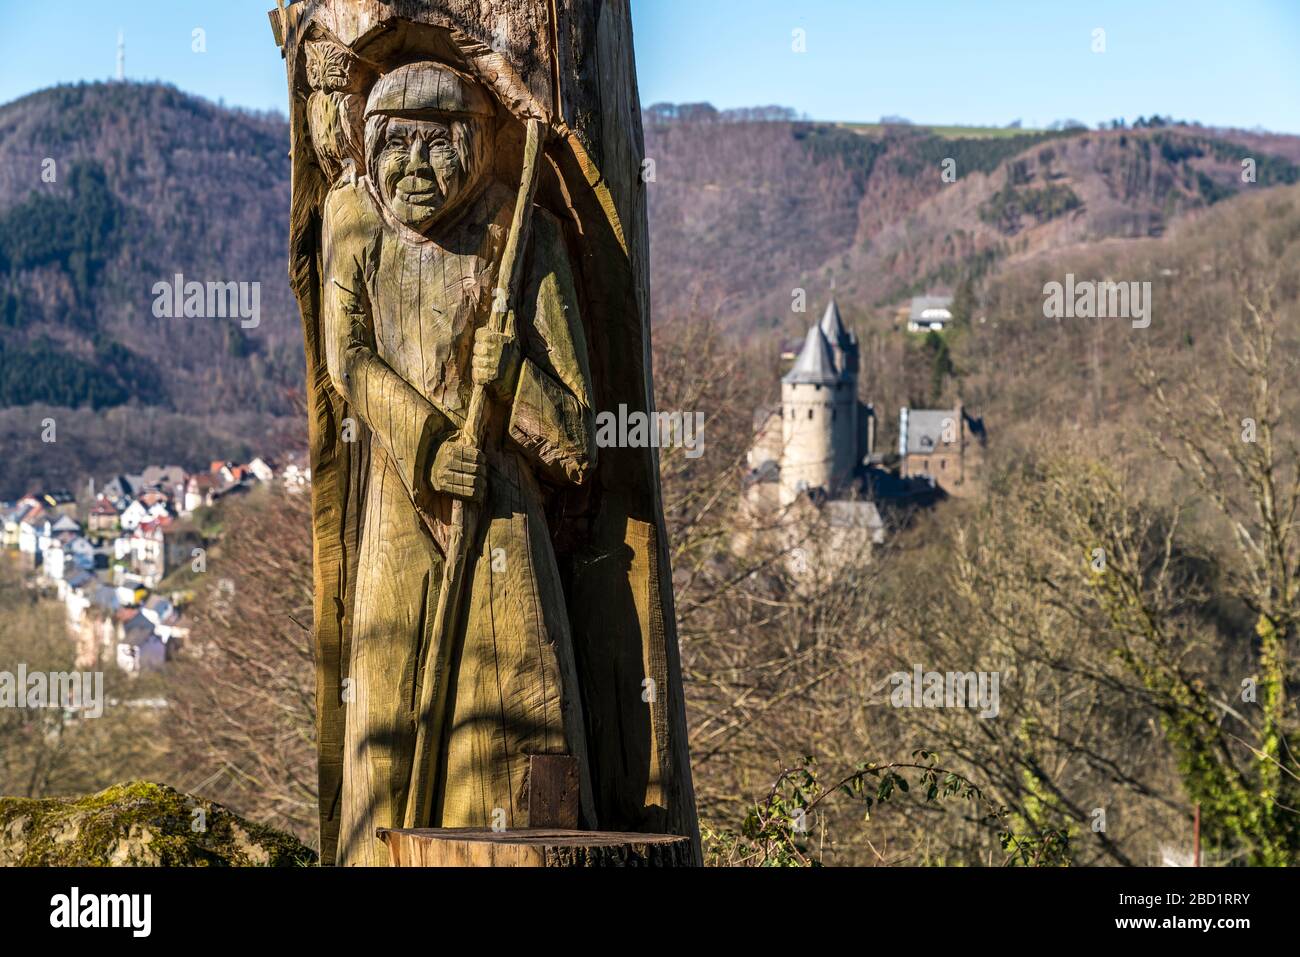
399, 316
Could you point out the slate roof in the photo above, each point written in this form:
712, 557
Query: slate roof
921, 303
66, 524
137, 630
849, 513
832, 326
925, 428
814, 365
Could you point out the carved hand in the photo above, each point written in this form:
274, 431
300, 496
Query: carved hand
459, 470
496, 363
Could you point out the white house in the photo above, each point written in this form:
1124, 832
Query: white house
159, 610
13, 519
296, 474
930, 314
199, 491
133, 515
31, 528
141, 511
57, 530
263, 469
165, 617
78, 550
130, 593
74, 592
52, 560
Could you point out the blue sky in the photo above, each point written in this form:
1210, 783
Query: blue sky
935, 61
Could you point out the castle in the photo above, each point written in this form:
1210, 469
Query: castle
814, 458
825, 432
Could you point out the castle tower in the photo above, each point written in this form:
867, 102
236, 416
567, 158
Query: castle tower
849, 420
809, 410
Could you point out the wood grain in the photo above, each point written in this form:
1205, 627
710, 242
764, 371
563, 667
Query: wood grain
534, 848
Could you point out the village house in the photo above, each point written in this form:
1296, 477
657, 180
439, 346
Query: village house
139, 647
160, 545
121, 489
200, 491
130, 592
166, 620
73, 592
121, 549
148, 554
227, 472
929, 314
262, 470
943, 446
168, 479
31, 527
13, 519
103, 516
159, 610
59, 502
54, 527
149, 507
66, 553
296, 474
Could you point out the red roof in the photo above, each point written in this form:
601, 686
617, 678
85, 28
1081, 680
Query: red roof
154, 525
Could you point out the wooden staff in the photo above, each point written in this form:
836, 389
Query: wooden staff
464, 514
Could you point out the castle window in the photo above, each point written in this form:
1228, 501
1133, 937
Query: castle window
810, 413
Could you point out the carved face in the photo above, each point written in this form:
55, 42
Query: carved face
426, 167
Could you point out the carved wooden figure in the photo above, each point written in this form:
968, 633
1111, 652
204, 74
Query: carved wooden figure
469, 253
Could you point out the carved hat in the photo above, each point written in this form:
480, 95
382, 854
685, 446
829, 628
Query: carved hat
427, 87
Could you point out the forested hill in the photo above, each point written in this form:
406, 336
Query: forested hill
147, 183
741, 213
108, 189
150, 182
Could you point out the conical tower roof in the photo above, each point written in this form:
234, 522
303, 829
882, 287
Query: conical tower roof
844, 345
815, 366
833, 326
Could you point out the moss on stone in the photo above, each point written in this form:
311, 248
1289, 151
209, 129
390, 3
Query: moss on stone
139, 824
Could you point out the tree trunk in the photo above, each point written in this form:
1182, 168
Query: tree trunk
569, 64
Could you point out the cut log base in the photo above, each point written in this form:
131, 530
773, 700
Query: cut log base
482, 847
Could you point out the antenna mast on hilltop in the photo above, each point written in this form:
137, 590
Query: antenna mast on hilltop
121, 56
